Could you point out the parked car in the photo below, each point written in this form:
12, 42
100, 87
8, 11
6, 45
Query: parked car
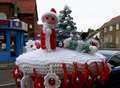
114, 78
112, 57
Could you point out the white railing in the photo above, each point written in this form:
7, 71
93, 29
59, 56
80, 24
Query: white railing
14, 24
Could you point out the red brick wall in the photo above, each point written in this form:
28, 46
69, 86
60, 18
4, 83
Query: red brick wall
39, 28
29, 19
36, 24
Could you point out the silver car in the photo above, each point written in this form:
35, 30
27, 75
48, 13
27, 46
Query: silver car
112, 57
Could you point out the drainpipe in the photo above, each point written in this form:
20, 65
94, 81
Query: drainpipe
15, 9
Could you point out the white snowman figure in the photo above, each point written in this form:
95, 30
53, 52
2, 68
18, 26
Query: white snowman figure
30, 46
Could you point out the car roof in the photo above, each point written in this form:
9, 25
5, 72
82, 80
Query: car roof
108, 52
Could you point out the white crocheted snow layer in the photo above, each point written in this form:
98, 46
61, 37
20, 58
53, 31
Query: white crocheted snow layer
41, 59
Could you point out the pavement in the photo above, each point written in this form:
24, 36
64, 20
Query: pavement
6, 80
5, 77
6, 65
8, 86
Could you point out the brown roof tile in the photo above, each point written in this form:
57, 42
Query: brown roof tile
26, 6
7, 1
112, 21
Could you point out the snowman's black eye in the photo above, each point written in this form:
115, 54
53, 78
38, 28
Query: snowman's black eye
53, 18
46, 17
31, 46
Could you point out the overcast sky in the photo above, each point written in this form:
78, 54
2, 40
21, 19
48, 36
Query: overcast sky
86, 13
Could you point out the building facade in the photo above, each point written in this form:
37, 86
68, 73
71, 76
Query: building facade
18, 19
25, 10
39, 28
110, 33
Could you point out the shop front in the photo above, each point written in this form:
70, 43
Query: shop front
11, 38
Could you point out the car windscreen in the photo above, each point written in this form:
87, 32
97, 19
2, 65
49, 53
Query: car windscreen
107, 56
115, 60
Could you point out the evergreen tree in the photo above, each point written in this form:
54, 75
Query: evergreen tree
66, 26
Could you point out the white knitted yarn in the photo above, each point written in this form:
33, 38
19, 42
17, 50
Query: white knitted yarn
30, 46
41, 60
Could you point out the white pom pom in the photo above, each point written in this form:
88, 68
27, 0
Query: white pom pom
37, 44
68, 27
93, 49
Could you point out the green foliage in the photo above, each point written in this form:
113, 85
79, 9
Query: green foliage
109, 45
66, 26
90, 30
85, 48
73, 45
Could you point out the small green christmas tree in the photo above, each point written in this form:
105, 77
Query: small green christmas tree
66, 26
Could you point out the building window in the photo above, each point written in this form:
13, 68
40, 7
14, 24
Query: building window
2, 41
117, 40
117, 26
105, 29
30, 26
110, 38
3, 16
111, 28
105, 39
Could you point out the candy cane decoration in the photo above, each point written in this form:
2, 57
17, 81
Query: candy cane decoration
17, 76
